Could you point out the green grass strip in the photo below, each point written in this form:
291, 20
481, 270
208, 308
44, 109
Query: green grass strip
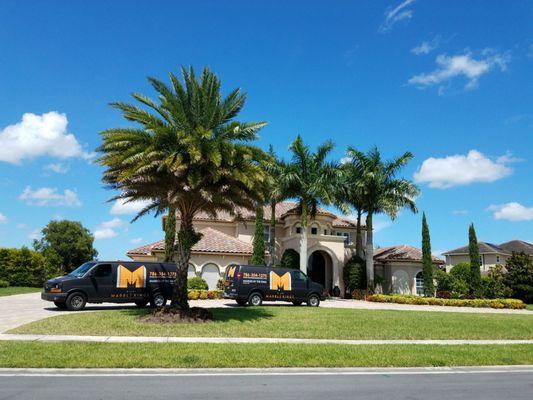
11, 290
152, 355
296, 322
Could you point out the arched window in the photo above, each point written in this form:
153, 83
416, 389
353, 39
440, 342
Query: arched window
314, 228
211, 274
297, 229
191, 271
419, 284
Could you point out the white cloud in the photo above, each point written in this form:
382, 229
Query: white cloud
50, 197
133, 207
512, 212
58, 168
105, 233
136, 240
36, 234
460, 170
107, 229
380, 224
39, 135
426, 46
401, 12
3, 219
465, 65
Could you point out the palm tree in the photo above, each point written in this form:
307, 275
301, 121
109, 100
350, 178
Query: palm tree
351, 193
189, 154
274, 194
382, 192
310, 179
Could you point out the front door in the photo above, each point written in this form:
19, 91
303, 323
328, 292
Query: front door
103, 283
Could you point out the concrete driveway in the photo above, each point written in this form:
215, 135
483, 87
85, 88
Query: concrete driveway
25, 308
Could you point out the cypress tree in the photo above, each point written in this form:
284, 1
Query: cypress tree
473, 250
170, 234
258, 243
427, 261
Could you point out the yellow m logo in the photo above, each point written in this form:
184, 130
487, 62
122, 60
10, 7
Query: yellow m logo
131, 279
282, 282
231, 271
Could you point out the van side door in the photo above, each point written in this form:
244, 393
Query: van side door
299, 285
103, 282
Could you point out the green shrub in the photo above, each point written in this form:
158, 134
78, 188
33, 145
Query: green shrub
4, 284
493, 284
354, 274
519, 276
193, 294
24, 267
197, 283
203, 295
220, 284
479, 303
290, 259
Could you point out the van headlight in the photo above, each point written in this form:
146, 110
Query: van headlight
56, 288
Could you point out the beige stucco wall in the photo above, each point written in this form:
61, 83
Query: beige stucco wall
399, 276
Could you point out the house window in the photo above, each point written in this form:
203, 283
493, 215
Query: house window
480, 260
298, 230
325, 231
419, 284
314, 230
346, 237
497, 259
266, 234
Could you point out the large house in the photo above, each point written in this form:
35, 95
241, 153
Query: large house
227, 239
490, 254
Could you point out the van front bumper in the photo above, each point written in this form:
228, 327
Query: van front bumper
54, 296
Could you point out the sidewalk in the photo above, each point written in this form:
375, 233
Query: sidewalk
173, 339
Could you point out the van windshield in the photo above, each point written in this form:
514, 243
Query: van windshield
82, 269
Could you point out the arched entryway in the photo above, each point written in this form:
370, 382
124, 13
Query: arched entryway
320, 268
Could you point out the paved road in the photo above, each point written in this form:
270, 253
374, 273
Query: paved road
24, 308
289, 385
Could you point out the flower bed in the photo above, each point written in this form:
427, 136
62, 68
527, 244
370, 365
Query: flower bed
204, 294
434, 301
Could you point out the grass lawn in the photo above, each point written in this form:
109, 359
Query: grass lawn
153, 355
8, 291
530, 307
296, 322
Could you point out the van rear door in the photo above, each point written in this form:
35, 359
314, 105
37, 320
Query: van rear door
231, 275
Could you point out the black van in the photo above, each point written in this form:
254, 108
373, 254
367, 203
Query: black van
113, 282
253, 284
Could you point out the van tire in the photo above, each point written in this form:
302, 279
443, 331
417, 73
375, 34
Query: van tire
76, 301
141, 303
241, 302
61, 305
255, 299
158, 300
313, 300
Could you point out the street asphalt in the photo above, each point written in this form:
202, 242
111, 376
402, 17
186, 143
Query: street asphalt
398, 384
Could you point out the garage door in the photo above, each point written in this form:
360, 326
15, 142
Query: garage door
211, 273
191, 271
400, 282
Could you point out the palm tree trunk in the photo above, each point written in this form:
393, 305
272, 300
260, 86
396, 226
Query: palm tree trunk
187, 238
369, 253
359, 237
170, 234
303, 240
272, 236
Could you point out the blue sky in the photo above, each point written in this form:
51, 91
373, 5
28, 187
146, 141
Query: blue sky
449, 81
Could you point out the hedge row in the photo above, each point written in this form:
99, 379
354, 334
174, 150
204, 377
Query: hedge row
24, 267
434, 301
204, 294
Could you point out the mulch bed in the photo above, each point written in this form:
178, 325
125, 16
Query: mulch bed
170, 315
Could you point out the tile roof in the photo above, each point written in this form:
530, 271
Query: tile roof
401, 253
483, 247
212, 241
517, 246
283, 209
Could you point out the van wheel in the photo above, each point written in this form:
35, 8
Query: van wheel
158, 300
313, 301
60, 304
297, 303
75, 301
241, 302
141, 303
255, 299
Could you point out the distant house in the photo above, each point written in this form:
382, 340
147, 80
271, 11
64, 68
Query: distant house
401, 268
489, 254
